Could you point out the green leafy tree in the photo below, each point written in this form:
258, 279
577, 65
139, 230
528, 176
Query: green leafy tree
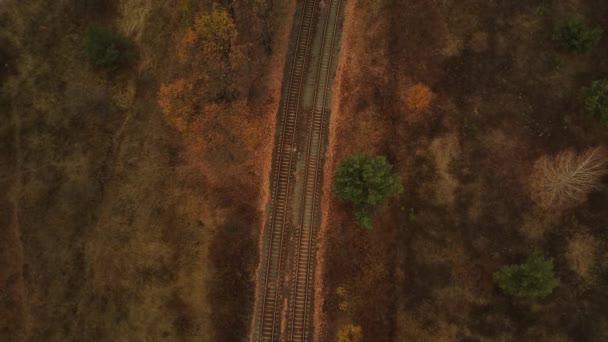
365, 182
596, 99
533, 278
576, 36
104, 47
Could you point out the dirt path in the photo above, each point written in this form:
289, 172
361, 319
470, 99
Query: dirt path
14, 236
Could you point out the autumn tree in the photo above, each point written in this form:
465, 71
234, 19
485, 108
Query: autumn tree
216, 30
417, 97
565, 180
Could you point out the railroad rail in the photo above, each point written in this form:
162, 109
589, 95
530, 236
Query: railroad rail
269, 325
282, 311
303, 270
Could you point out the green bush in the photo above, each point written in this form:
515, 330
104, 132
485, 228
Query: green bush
576, 36
533, 278
104, 47
596, 99
365, 182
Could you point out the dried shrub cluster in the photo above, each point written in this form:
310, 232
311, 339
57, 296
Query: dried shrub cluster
565, 180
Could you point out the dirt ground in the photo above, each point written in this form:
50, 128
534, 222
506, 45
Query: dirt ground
115, 225
504, 94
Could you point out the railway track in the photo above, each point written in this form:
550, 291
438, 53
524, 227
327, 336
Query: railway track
268, 326
275, 300
303, 271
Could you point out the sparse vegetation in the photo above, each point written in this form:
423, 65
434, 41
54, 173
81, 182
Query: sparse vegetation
343, 297
350, 333
365, 182
596, 99
565, 180
533, 278
216, 29
577, 36
104, 47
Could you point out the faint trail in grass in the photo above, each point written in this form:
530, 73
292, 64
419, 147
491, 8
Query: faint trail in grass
15, 198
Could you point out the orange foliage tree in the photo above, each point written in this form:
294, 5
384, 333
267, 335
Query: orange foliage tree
417, 97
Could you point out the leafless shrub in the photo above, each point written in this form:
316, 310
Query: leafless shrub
566, 179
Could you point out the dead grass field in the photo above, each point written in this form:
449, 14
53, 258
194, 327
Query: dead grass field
112, 226
504, 94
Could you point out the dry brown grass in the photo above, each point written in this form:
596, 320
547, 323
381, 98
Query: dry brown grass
444, 150
580, 254
565, 180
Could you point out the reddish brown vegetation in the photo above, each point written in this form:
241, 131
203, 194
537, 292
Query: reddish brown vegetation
417, 97
176, 101
207, 105
565, 180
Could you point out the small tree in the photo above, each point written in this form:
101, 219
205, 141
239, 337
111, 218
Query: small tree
105, 48
533, 278
565, 180
577, 37
596, 99
365, 182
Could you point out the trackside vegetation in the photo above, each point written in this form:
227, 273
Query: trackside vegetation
365, 182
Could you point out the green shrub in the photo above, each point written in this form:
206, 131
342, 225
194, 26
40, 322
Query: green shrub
533, 278
365, 182
576, 36
596, 99
104, 47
